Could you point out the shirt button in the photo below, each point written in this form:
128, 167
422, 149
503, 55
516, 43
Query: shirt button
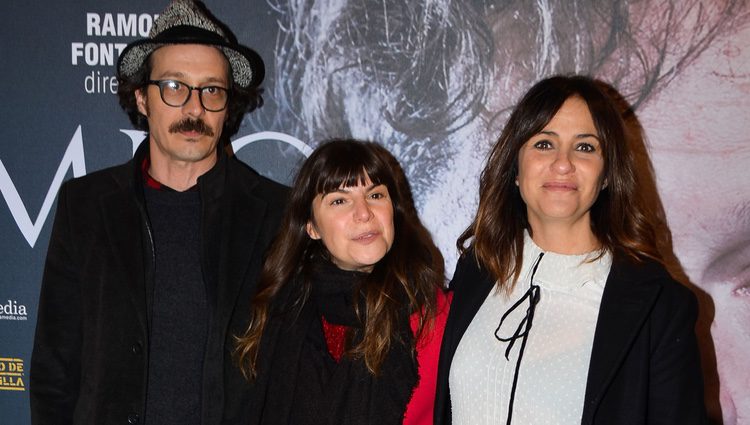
136, 349
133, 419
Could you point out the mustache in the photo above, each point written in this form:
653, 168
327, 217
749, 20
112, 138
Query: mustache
188, 124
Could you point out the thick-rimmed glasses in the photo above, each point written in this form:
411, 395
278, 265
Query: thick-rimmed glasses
176, 94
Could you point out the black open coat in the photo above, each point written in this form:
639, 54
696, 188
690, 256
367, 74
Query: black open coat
645, 366
89, 364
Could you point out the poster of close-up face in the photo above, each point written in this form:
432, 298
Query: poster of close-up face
433, 81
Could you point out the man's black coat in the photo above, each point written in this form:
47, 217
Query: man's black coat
89, 364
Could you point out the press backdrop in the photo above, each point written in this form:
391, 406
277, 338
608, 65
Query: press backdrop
433, 80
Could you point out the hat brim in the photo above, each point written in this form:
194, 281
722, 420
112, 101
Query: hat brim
247, 66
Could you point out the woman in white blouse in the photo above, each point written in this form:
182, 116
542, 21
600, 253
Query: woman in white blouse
563, 312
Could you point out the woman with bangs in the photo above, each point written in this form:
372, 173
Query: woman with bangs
348, 318
563, 312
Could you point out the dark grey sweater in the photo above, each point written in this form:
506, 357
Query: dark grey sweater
179, 312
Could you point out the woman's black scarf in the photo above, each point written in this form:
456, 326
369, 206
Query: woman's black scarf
307, 387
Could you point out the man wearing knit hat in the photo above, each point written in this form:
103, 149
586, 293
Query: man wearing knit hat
152, 264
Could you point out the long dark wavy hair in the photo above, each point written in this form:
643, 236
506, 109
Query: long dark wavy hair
412, 270
620, 218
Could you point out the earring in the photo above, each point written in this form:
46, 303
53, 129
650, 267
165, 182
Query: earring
604, 184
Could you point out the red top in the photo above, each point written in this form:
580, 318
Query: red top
420, 408
334, 338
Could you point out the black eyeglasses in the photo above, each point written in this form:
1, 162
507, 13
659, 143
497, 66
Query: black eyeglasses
176, 94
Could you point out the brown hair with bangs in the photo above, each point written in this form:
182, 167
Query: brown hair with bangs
412, 270
620, 216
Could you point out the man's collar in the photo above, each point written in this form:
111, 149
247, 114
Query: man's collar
211, 179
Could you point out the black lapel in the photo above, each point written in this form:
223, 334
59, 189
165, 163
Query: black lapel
242, 223
470, 286
629, 295
123, 222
